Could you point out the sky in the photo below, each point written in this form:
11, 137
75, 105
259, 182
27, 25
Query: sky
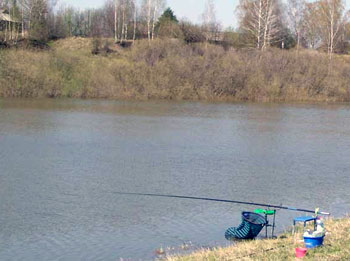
189, 9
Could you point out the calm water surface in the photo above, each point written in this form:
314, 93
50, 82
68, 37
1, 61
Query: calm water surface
61, 162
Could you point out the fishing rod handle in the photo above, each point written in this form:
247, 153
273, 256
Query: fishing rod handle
324, 213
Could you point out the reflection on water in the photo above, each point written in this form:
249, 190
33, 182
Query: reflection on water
62, 160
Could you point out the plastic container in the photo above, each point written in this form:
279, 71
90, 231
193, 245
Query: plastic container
300, 252
312, 242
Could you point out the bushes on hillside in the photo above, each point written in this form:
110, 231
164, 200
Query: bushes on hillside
171, 69
191, 33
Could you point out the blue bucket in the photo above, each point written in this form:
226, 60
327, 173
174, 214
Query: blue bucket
312, 242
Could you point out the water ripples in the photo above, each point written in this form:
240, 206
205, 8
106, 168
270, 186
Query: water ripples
62, 160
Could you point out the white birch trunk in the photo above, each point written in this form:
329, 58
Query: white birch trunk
22, 22
149, 20
154, 18
267, 24
115, 21
259, 24
123, 23
135, 17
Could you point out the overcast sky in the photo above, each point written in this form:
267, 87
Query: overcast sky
190, 9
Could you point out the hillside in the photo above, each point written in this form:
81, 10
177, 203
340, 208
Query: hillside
172, 70
336, 247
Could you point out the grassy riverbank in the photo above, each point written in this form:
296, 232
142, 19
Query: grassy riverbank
336, 247
173, 70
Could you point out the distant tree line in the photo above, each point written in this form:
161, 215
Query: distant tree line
321, 24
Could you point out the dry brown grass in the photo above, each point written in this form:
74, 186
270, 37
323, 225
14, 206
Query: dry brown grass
173, 70
336, 247
73, 44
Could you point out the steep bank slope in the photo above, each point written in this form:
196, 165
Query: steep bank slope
170, 69
336, 247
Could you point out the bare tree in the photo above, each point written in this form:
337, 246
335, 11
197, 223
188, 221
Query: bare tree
116, 4
135, 19
36, 14
332, 18
260, 21
152, 10
271, 22
149, 10
155, 9
209, 20
310, 25
38, 29
123, 9
295, 15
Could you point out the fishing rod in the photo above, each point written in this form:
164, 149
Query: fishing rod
223, 200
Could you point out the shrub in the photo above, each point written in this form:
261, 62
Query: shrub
172, 69
96, 45
192, 33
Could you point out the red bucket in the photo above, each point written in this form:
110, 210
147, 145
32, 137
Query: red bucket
300, 252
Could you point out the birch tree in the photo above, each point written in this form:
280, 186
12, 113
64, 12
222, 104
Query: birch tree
260, 21
27, 7
311, 25
155, 10
38, 20
209, 20
123, 10
146, 12
116, 4
251, 20
36, 14
152, 10
135, 19
296, 18
271, 23
332, 20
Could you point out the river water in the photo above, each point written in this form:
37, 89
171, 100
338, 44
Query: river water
62, 162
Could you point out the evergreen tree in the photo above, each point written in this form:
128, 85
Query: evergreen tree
168, 25
168, 16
